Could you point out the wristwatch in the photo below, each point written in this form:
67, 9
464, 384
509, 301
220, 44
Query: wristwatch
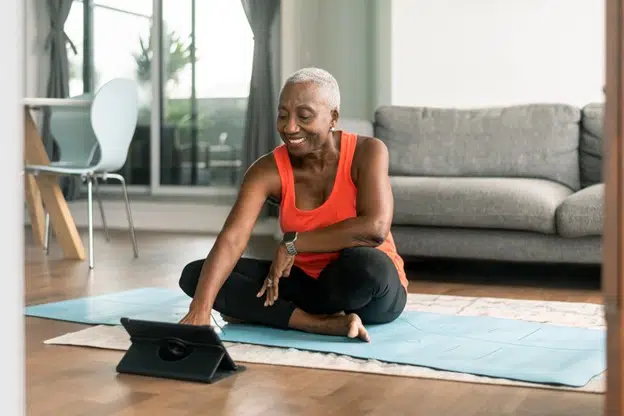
289, 242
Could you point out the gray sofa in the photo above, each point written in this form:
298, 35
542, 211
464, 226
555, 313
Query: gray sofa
521, 183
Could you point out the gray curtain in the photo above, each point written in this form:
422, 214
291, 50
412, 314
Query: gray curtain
58, 79
260, 120
56, 45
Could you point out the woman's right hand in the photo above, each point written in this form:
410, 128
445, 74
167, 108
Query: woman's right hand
197, 316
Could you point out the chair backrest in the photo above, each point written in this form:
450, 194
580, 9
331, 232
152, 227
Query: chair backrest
71, 129
114, 117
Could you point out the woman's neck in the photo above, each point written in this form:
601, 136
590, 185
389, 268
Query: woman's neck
326, 155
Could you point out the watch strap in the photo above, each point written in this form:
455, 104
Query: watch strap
289, 242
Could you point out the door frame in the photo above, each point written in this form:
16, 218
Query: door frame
613, 239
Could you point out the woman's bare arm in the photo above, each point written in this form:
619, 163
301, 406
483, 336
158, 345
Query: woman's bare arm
260, 181
375, 206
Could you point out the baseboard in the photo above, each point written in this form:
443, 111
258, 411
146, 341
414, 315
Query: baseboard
166, 216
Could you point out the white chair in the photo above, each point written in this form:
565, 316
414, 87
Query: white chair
94, 143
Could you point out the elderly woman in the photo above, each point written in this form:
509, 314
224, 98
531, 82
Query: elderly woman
336, 268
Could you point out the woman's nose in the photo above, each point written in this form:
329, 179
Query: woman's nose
291, 126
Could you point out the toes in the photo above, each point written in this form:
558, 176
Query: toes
363, 334
354, 330
357, 329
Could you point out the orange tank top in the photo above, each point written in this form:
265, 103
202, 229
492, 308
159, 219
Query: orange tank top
340, 206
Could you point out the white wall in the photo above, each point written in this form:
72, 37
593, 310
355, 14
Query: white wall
335, 35
11, 162
496, 52
381, 30
449, 53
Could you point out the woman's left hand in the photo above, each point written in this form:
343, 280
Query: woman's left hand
281, 266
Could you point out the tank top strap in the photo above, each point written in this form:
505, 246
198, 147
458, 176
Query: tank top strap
348, 147
284, 169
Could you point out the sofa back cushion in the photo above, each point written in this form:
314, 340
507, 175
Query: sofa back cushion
590, 147
532, 141
357, 126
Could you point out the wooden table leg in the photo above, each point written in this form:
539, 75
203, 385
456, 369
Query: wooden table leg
45, 187
35, 208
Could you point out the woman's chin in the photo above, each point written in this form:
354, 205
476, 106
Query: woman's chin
298, 148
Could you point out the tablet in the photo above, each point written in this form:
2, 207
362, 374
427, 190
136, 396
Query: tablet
175, 351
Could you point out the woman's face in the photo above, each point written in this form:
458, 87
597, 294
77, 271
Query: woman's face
304, 119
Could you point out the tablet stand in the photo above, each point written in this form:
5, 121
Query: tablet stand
176, 351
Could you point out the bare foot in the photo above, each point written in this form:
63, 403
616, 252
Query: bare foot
346, 325
356, 328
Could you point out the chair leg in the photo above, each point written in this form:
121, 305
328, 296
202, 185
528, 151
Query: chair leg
128, 211
46, 236
101, 206
90, 217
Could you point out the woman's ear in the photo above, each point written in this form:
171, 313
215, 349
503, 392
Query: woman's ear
335, 116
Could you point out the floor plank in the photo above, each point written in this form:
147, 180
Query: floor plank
68, 380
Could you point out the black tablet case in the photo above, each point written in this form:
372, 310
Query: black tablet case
176, 351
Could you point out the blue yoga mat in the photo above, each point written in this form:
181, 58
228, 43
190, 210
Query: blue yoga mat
487, 346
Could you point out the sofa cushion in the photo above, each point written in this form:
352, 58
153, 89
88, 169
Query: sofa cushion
590, 146
582, 213
500, 203
531, 141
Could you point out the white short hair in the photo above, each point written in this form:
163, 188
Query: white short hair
322, 79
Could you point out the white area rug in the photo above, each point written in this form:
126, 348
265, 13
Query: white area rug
583, 315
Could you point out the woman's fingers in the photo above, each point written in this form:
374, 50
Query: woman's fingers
275, 291
269, 295
270, 287
272, 292
262, 289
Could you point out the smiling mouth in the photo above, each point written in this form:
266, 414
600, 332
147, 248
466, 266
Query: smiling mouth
297, 141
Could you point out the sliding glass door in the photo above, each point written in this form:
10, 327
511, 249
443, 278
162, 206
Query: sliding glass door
207, 52
192, 60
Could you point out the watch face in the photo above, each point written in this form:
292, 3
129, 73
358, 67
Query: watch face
290, 236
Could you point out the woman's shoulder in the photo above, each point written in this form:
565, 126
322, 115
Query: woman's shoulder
264, 169
368, 149
263, 174
264, 165
370, 155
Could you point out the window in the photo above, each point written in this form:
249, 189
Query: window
205, 67
74, 27
204, 91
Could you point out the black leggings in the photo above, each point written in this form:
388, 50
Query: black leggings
362, 280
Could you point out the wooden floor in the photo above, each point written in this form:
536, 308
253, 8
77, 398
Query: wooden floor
63, 380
